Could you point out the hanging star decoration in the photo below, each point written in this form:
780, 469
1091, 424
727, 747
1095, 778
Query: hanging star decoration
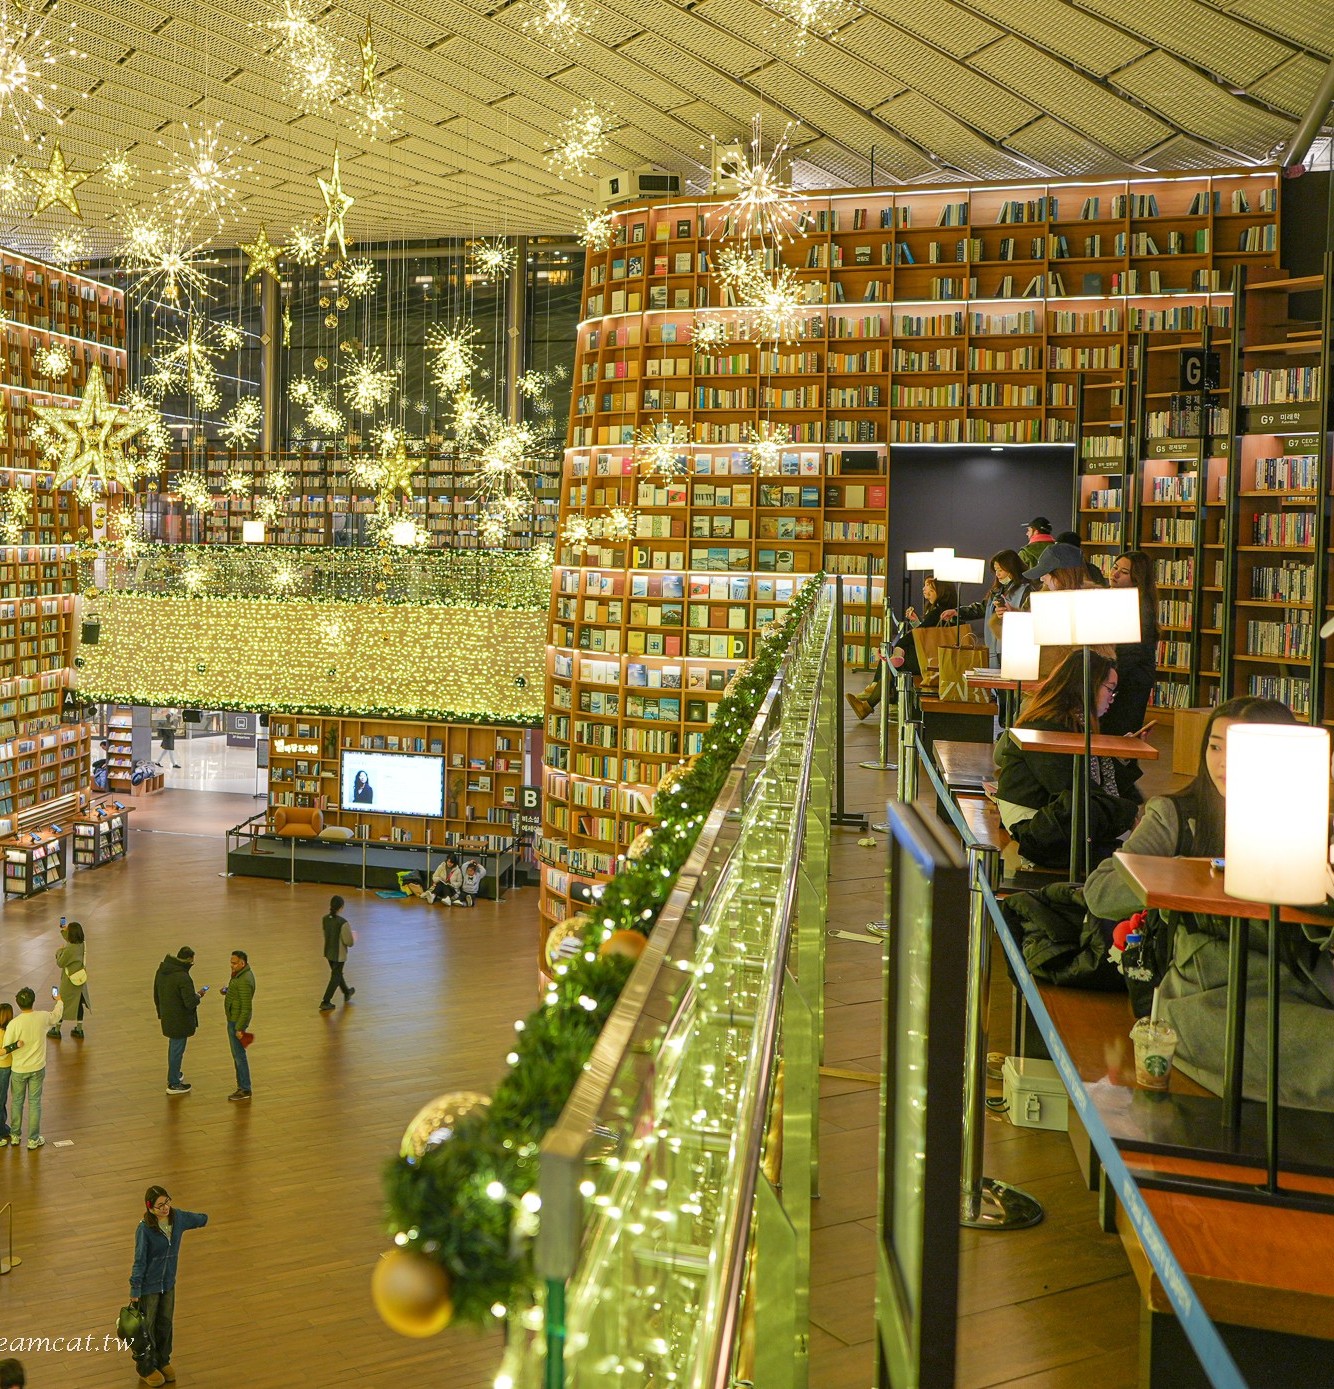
56, 183
287, 324
337, 203
262, 255
92, 435
376, 107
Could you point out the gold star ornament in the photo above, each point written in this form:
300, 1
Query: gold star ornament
56, 183
369, 59
336, 204
92, 435
262, 254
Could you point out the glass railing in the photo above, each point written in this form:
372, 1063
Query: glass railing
676, 1187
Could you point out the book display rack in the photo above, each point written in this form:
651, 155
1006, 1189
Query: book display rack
483, 769
100, 834
998, 315
34, 863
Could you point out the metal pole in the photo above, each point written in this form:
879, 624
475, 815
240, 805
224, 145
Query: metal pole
885, 763
907, 789
1086, 838
11, 1260
985, 1203
270, 295
291, 861
1271, 1078
841, 815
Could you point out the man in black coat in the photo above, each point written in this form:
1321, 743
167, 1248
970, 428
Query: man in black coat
177, 1003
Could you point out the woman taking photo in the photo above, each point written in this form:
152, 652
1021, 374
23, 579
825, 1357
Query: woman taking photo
70, 959
157, 1248
1035, 790
1193, 992
1136, 661
941, 596
1008, 594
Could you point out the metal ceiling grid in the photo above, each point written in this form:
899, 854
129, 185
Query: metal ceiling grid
1306, 22
1066, 32
734, 54
840, 68
948, 140
840, 119
1201, 35
989, 106
1182, 152
1291, 87
609, 78
832, 167
1053, 145
942, 23
1080, 102
728, 95
1202, 108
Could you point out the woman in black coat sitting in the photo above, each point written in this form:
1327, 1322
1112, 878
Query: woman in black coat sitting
941, 596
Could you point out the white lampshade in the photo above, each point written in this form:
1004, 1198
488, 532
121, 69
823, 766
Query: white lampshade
927, 559
960, 570
1020, 654
1277, 820
252, 532
1085, 617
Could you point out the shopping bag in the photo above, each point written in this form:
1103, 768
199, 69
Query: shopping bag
930, 640
953, 661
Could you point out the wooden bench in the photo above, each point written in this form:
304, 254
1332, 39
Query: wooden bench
964, 766
956, 720
984, 824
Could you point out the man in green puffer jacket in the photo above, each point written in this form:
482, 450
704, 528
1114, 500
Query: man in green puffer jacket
240, 992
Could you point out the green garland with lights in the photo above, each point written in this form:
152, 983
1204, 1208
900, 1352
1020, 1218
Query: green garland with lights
441, 1204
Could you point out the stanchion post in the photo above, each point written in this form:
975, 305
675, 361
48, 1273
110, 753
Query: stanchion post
885, 763
907, 741
841, 816
984, 1203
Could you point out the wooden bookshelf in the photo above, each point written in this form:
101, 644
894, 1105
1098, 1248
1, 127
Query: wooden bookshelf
100, 834
42, 306
483, 768
35, 862
1282, 581
1004, 316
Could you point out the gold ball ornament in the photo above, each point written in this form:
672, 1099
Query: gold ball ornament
564, 940
325, 301
629, 944
640, 844
412, 1293
331, 320
321, 364
434, 1123
343, 302
670, 778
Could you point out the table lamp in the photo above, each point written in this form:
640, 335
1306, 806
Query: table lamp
1086, 617
921, 561
1020, 660
1276, 848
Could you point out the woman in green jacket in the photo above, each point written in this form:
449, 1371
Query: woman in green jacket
70, 958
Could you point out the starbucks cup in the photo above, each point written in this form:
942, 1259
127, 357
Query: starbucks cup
1155, 1045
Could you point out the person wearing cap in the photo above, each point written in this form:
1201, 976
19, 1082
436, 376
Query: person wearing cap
1060, 568
177, 1003
1039, 537
1091, 571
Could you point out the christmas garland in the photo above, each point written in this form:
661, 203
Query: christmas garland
456, 1192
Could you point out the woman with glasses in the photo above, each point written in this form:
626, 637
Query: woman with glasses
1035, 790
157, 1248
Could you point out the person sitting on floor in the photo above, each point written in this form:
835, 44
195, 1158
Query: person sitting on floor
446, 883
1193, 991
1035, 790
473, 874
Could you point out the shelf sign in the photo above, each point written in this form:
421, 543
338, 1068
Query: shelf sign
1101, 467
530, 810
1196, 369
1281, 419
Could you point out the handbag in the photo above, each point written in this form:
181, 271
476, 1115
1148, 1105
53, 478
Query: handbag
78, 977
954, 661
929, 641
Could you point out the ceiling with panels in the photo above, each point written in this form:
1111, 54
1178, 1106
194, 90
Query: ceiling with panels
905, 91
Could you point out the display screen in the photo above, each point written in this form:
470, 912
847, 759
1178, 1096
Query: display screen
392, 783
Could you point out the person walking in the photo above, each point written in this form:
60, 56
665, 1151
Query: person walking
1038, 537
157, 1250
25, 1040
338, 938
167, 736
177, 1002
73, 978
240, 994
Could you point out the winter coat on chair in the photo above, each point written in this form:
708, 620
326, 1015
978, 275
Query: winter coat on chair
1062, 943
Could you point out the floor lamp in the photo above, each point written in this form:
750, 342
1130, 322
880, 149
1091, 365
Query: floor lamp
1276, 846
1085, 617
918, 562
1021, 657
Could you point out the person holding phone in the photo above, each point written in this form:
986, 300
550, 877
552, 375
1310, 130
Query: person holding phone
157, 1252
177, 1003
25, 1043
73, 977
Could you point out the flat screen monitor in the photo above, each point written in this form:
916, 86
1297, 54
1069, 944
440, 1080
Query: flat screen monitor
392, 783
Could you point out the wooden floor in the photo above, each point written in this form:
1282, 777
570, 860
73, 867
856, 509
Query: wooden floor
275, 1291
1054, 1307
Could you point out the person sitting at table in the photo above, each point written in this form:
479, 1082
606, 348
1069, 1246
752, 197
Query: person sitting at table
1136, 661
1193, 992
1035, 790
940, 596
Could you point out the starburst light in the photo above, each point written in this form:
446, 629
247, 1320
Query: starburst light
557, 21
455, 352
53, 360
595, 229
369, 383
310, 69
236, 482
162, 258
822, 18
28, 54
240, 425
151, 447
124, 532
581, 138
761, 206
192, 489
278, 482
659, 448
231, 336
13, 188
765, 445
494, 258
620, 523
208, 176
186, 361
709, 334
15, 510
119, 170
68, 246
303, 244
360, 277
771, 298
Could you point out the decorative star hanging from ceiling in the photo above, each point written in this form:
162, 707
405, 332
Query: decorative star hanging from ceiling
56, 183
336, 204
92, 435
262, 255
